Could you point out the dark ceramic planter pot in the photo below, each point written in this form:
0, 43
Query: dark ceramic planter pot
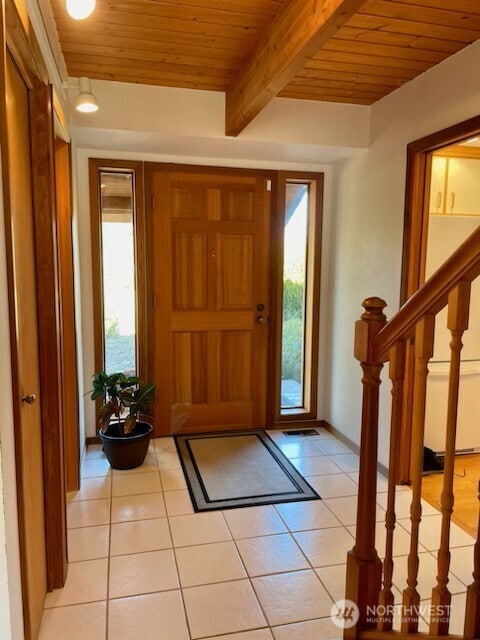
126, 452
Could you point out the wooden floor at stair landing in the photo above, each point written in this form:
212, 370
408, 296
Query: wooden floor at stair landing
466, 507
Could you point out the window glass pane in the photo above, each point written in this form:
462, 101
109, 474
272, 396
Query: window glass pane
294, 291
118, 256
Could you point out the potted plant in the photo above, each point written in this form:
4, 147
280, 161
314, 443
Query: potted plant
125, 438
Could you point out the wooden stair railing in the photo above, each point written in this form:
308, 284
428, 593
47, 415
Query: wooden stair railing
369, 580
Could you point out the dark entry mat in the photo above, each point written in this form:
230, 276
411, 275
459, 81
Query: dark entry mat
239, 469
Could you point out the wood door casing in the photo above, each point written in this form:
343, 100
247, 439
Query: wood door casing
210, 271
49, 329
70, 400
417, 200
29, 435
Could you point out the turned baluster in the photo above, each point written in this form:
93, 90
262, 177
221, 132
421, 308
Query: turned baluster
364, 568
424, 336
457, 322
472, 608
397, 375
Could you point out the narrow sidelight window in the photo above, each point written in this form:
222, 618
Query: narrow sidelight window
294, 295
300, 201
117, 229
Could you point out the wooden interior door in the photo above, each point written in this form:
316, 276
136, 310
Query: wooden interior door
210, 291
30, 484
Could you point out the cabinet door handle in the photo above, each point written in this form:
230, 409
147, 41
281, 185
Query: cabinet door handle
452, 200
438, 202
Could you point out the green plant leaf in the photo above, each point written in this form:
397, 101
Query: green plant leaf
144, 393
113, 379
120, 392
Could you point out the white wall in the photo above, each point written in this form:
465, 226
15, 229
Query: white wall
201, 114
11, 620
367, 239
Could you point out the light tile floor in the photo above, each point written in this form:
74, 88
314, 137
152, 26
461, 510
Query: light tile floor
144, 565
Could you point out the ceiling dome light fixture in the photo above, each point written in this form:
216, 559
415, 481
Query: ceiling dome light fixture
86, 102
80, 9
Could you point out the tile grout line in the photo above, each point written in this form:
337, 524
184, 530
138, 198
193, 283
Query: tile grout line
305, 555
187, 621
107, 604
248, 577
110, 477
123, 555
345, 473
234, 540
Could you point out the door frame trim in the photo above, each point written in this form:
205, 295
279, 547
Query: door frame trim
95, 165
317, 178
63, 170
25, 51
417, 197
49, 325
144, 285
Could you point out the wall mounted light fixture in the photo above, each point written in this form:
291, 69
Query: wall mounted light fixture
80, 9
85, 102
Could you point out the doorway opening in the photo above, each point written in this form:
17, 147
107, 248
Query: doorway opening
220, 277
443, 209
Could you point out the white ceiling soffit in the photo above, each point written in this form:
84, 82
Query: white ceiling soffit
222, 149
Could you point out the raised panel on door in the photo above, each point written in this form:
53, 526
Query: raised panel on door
189, 368
234, 271
236, 365
188, 201
211, 236
237, 204
189, 271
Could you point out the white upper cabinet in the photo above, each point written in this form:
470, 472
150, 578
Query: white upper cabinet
455, 186
437, 184
463, 186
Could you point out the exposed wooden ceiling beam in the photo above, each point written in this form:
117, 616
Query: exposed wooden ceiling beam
296, 33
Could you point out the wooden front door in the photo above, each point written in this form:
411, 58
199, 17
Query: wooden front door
210, 290
18, 191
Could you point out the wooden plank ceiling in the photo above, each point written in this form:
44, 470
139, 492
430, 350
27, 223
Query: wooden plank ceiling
353, 51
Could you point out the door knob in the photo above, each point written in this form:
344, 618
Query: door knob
262, 320
30, 399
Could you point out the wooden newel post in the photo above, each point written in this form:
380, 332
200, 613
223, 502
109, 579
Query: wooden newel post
364, 568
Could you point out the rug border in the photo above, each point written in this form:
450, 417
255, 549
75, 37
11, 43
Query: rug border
233, 432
